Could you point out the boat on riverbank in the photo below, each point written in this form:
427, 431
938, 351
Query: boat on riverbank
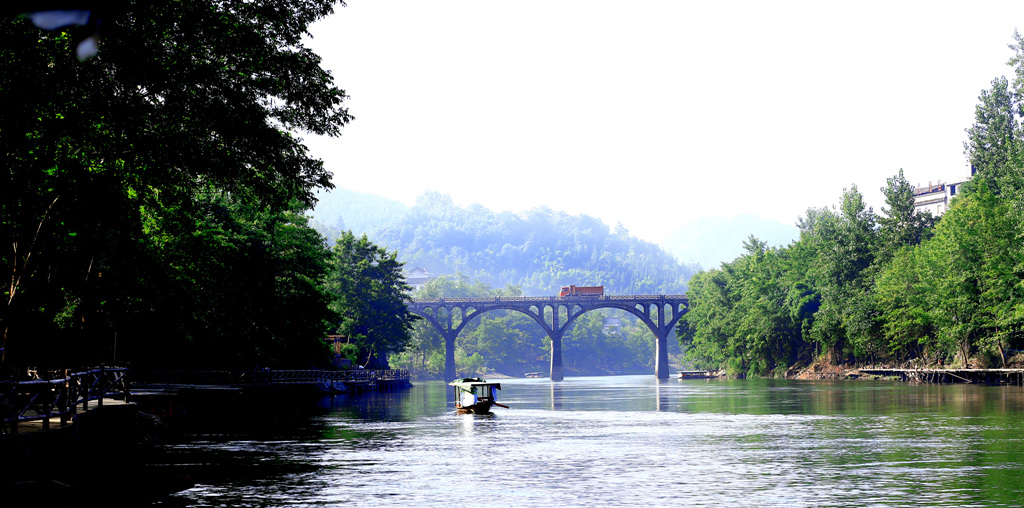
698, 374
474, 395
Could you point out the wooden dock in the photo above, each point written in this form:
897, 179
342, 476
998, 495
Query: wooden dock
57, 399
322, 381
980, 376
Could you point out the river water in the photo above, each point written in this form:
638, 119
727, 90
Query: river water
623, 441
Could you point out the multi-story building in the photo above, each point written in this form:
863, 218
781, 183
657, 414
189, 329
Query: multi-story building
935, 198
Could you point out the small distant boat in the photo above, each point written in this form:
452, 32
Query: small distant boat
698, 374
474, 395
534, 374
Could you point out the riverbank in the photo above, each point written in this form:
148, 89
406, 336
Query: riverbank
1013, 373
113, 443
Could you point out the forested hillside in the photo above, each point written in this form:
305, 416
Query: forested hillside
339, 210
539, 250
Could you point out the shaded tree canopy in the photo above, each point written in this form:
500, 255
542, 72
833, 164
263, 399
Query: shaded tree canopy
107, 164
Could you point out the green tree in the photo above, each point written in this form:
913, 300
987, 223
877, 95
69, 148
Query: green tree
900, 226
845, 244
369, 291
182, 97
976, 261
994, 138
239, 285
708, 329
903, 292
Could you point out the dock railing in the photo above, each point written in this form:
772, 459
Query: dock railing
65, 395
325, 376
271, 377
44, 399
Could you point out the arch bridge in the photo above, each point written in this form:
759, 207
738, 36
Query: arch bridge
556, 315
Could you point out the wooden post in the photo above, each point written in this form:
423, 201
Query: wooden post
102, 378
65, 400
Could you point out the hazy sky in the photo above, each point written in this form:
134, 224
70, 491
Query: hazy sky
650, 113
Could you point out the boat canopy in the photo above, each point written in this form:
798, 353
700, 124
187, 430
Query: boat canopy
469, 383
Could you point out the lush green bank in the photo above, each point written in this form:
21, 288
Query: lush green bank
889, 288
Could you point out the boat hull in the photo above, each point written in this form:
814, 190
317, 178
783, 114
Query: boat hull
480, 408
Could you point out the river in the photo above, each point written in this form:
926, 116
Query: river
622, 441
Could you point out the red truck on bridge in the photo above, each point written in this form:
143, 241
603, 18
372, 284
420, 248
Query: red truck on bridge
581, 291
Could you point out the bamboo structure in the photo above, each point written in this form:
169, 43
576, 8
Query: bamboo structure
980, 376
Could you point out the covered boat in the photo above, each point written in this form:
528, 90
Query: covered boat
698, 374
474, 395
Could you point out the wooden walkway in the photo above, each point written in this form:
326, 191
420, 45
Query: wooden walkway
982, 376
55, 400
57, 422
43, 404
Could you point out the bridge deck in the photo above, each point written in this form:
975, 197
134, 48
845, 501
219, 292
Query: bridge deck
565, 299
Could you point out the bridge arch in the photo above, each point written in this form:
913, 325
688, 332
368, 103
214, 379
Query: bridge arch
660, 313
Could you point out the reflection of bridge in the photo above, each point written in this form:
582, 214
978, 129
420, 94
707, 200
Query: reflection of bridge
556, 315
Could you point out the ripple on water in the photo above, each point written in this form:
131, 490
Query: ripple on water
591, 443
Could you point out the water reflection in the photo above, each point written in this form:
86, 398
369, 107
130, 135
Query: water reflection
634, 440
556, 396
662, 396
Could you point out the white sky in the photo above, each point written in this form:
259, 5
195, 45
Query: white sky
653, 112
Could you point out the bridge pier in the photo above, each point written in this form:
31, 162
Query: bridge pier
449, 356
556, 358
662, 332
661, 355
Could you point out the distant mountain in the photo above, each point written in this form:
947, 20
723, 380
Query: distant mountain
539, 250
342, 210
710, 241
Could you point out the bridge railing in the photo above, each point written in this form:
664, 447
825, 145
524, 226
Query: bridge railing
513, 299
43, 399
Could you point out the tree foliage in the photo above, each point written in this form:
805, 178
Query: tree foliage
893, 288
368, 292
151, 176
